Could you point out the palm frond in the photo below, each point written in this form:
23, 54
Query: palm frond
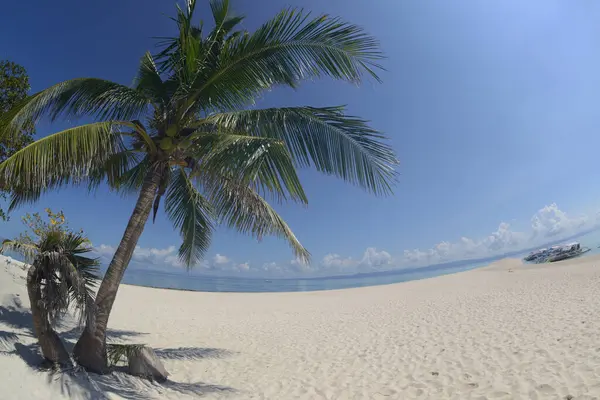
54, 288
75, 247
142, 136
22, 246
132, 180
175, 49
186, 53
220, 11
289, 48
70, 156
149, 82
243, 209
333, 142
23, 195
190, 56
80, 289
224, 22
264, 163
114, 169
75, 98
118, 353
192, 214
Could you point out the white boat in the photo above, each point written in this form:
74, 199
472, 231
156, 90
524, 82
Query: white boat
556, 253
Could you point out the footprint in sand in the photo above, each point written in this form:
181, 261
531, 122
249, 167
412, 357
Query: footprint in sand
471, 385
500, 395
387, 392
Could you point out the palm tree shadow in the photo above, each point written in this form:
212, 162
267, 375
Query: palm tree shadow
197, 388
16, 317
96, 387
7, 339
19, 318
89, 386
29, 353
74, 333
81, 384
192, 353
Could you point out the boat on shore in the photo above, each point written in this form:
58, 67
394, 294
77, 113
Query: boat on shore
556, 253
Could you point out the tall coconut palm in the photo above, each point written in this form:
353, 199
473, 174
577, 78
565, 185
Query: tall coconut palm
60, 276
187, 132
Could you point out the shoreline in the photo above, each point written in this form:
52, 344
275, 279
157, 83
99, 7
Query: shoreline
520, 264
302, 291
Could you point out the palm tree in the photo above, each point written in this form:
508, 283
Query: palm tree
60, 276
187, 131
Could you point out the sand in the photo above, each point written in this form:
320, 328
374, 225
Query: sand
507, 331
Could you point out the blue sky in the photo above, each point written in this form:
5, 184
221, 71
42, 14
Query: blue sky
492, 108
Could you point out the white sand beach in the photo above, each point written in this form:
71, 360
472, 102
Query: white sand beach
507, 331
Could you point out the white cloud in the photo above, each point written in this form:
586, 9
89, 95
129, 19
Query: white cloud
142, 252
335, 261
548, 223
374, 259
371, 260
220, 259
173, 260
154, 256
244, 267
300, 266
105, 250
148, 257
144, 256
271, 267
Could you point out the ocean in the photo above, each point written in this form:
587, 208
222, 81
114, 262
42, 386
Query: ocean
185, 281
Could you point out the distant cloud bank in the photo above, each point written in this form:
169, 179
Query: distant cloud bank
547, 224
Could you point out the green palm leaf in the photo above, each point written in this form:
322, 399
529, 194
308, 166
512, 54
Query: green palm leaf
22, 246
113, 171
80, 274
149, 82
243, 209
224, 24
70, 156
192, 214
132, 180
264, 163
334, 143
24, 195
74, 98
288, 48
118, 352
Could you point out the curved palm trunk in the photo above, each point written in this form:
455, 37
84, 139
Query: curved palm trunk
90, 350
53, 348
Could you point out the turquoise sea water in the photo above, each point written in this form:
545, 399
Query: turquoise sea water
214, 284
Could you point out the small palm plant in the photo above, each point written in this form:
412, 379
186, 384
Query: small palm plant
61, 277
